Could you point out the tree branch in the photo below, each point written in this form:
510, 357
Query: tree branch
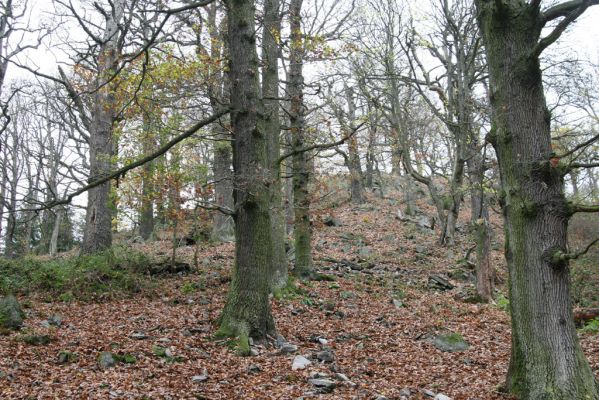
559, 256
122, 171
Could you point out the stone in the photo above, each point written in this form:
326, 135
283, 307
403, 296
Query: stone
288, 348
326, 356
138, 336
53, 320
253, 369
451, 342
11, 314
341, 377
438, 282
330, 220
65, 357
300, 362
441, 396
106, 360
323, 385
323, 341
397, 303
200, 378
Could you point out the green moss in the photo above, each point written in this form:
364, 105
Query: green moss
243, 346
117, 270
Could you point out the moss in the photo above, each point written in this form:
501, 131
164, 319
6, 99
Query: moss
243, 346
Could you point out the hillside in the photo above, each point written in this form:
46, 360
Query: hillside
374, 330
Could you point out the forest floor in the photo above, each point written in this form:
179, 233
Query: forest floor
384, 348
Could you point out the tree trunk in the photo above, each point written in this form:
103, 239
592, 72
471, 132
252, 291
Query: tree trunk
353, 161
547, 361
302, 230
146, 214
53, 247
98, 220
480, 225
272, 129
247, 311
455, 192
223, 227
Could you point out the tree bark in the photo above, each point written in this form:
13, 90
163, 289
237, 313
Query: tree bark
547, 361
98, 220
353, 160
272, 129
302, 230
146, 214
247, 312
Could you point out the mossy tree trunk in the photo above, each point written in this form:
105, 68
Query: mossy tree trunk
546, 359
272, 129
247, 311
302, 230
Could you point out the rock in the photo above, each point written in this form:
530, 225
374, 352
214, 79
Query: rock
138, 336
288, 348
451, 342
326, 356
428, 393
253, 369
53, 320
405, 392
441, 396
200, 378
11, 314
436, 281
323, 341
397, 303
106, 360
323, 385
65, 357
318, 375
341, 377
300, 362
330, 220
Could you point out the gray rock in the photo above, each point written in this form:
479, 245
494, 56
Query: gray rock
53, 320
441, 396
318, 375
11, 314
300, 362
451, 342
341, 377
330, 220
253, 369
106, 360
200, 378
323, 341
397, 303
288, 348
326, 356
323, 385
138, 336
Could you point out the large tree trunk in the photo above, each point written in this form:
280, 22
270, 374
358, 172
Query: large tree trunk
98, 227
53, 246
247, 312
302, 230
546, 359
272, 129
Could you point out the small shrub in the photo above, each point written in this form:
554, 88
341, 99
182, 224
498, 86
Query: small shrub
591, 327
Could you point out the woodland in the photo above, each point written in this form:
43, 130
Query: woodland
295, 199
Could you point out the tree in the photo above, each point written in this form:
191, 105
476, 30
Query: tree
247, 312
546, 358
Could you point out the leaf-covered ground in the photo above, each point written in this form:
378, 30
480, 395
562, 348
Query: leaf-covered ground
383, 348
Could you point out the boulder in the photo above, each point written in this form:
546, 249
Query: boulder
11, 314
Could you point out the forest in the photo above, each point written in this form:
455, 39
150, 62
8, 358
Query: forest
296, 199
